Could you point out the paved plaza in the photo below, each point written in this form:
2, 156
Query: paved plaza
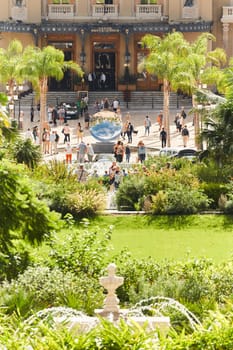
152, 142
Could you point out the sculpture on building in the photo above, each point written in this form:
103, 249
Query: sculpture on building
189, 3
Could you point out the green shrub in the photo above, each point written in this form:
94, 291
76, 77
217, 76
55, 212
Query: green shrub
218, 335
209, 171
214, 191
130, 192
25, 152
65, 194
180, 200
84, 251
85, 203
42, 287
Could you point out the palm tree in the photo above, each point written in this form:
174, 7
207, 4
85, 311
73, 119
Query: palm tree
218, 133
25, 152
38, 65
179, 63
9, 64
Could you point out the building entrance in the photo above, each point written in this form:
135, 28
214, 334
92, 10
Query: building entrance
104, 68
104, 61
67, 82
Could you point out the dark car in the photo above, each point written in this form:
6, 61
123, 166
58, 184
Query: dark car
71, 111
188, 153
177, 152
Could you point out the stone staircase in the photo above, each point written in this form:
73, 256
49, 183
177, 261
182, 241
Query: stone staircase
138, 100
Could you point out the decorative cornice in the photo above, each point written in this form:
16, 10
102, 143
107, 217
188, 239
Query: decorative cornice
104, 27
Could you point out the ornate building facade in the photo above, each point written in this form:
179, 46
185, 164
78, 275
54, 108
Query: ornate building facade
104, 36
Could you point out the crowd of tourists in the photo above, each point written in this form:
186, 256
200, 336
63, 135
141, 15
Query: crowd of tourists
83, 152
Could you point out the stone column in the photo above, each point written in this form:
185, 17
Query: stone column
226, 36
165, 8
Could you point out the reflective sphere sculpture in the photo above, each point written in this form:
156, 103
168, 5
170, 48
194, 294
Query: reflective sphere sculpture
105, 126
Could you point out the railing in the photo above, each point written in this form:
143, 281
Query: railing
105, 10
227, 14
149, 11
60, 11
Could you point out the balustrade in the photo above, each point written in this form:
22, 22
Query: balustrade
148, 11
105, 10
61, 11
227, 14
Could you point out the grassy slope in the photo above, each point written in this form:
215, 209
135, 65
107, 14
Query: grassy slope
173, 237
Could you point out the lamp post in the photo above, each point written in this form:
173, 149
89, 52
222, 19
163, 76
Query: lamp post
126, 65
13, 92
82, 53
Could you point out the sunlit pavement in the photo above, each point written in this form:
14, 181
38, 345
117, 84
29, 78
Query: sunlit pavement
152, 142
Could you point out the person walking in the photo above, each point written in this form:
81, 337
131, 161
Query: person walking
32, 114
54, 116
90, 152
87, 119
163, 137
129, 132
57, 137
66, 132
147, 124
120, 150
115, 104
79, 132
185, 135
177, 122
82, 150
141, 152
68, 150
127, 153
183, 113
52, 142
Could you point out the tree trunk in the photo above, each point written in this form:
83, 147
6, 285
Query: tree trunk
196, 123
43, 103
166, 103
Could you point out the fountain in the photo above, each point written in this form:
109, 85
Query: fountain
79, 322
105, 127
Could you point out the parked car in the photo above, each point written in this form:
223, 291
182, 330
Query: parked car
168, 151
189, 153
71, 111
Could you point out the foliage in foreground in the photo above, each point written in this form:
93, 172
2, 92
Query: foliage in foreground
216, 333
23, 217
70, 277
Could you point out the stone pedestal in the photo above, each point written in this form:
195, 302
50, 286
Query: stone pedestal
111, 283
103, 147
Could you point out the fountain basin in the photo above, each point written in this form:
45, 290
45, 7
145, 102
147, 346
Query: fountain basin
105, 126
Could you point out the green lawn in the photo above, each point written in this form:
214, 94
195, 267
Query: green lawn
172, 237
